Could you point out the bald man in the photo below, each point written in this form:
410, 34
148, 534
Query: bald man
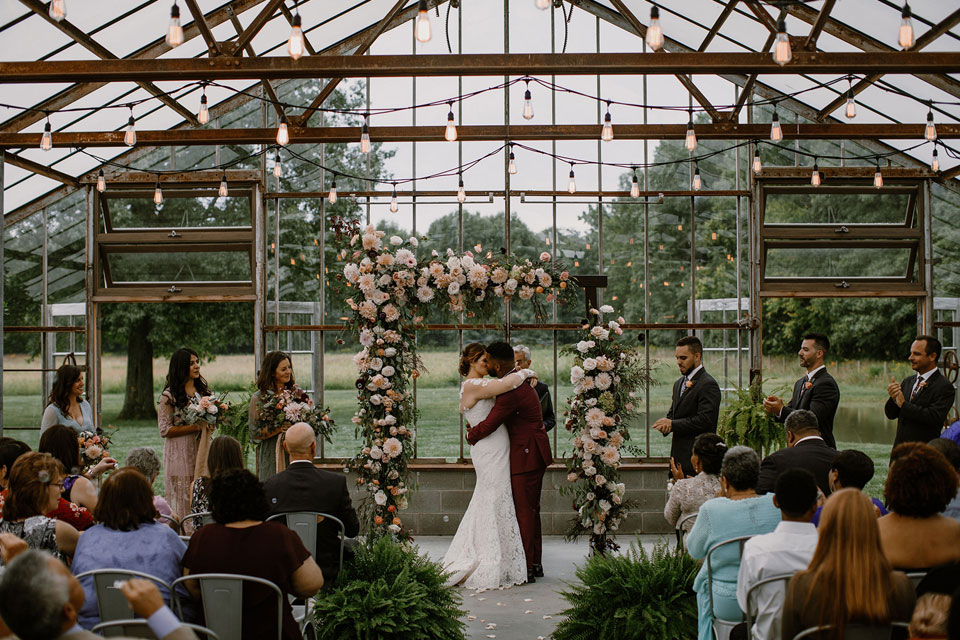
303, 487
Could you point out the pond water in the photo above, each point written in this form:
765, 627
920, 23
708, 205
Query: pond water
863, 423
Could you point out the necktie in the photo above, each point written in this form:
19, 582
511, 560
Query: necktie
916, 388
683, 386
803, 387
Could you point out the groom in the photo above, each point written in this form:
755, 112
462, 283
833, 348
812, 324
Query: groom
519, 410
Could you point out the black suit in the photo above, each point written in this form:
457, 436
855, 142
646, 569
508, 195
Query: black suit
814, 455
822, 398
303, 487
921, 419
693, 413
546, 405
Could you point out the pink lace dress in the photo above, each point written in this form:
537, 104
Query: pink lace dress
179, 457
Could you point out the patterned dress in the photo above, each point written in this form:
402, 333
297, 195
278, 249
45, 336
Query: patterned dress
39, 532
179, 457
688, 495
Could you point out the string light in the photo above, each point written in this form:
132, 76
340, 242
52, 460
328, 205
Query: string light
543, 5
423, 22
295, 43
158, 193
46, 140
365, 137
512, 164
697, 183
203, 116
781, 48
776, 133
58, 9
277, 165
930, 131
332, 196
906, 28
224, 191
451, 133
283, 132
130, 137
654, 31
691, 140
815, 177
851, 111
394, 207
635, 187
572, 184
174, 31
101, 182
935, 163
877, 176
606, 133
461, 193
527, 103
757, 166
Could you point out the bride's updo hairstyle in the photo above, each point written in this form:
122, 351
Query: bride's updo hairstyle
470, 354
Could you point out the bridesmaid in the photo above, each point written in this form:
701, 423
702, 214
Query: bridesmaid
276, 374
67, 405
180, 441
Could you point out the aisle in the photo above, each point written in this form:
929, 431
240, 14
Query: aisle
527, 612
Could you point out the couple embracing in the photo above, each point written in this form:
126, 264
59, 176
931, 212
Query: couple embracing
498, 542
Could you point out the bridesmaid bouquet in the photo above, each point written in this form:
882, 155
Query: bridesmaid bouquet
94, 446
213, 410
280, 410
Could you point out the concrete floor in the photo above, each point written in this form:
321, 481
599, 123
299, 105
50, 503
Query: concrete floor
530, 611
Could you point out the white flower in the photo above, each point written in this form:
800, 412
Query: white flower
544, 257
604, 363
576, 375
396, 241
599, 528
590, 471
605, 506
590, 402
606, 309
594, 418
376, 399
585, 345
599, 332
389, 352
375, 364
603, 381
393, 528
454, 288
610, 455
510, 286
366, 337
388, 371
392, 448
572, 477
367, 282
466, 262
590, 496
414, 242
351, 272
453, 262
391, 313
380, 498
406, 258
371, 241
600, 480
424, 294
589, 364
376, 452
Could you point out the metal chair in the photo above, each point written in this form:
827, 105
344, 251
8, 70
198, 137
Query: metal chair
201, 519
916, 577
680, 532
186, 539
221, 596
722, 628
172, 522
111, 603
860, 631
140, 629
754, 587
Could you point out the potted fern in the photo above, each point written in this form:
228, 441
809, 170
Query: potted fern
745, 422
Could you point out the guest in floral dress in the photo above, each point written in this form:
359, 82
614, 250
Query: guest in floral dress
276, 374
225, 453
180, 442
688, 494
60, 441
35, 483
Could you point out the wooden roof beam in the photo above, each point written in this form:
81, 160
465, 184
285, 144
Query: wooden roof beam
254, 28
40, 169
765, 18
811, 42
213, 47
267, 87
715, 29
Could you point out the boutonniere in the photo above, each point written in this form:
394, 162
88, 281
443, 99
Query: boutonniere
807, 384
922, 384
689, 383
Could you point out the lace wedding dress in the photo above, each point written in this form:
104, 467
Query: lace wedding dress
486, 551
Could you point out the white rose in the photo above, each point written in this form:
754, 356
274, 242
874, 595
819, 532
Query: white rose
389, 352
589, 364
380, 498
396, 241
606, 309
376, 453
582, 346
454, 288
388, 371
413, 242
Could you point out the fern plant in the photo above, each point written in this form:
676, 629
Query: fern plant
746, 422
389, 591
635, 595
238, 425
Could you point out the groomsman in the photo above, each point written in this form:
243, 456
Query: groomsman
695, 406
921, 402
817, 391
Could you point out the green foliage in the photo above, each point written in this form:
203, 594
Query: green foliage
238, 426
389, 591
636, 595
746, 422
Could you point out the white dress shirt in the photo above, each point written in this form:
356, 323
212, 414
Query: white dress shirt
923, 377
785, 551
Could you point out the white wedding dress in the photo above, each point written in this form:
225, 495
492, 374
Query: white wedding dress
487, 551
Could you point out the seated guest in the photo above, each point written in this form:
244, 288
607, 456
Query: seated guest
146, 461
689, 493
785, 551
919, 486
35, 483
127, 537
66, 404
849, 579
10, 450
930, 616
303, 487
738, 512
240, 542
39, 600
851, 469
61, 442
225, 453
951, 451
805, 450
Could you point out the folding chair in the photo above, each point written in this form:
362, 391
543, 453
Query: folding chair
221, 596
680, 532
916, 577
111, 603
140, 629
722, 628
172, 522
784, 577
201, 519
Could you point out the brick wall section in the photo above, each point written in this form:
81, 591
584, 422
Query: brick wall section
441, 491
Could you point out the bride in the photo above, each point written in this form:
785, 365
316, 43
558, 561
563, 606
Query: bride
486, 551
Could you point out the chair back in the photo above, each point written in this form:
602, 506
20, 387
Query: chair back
170, 521
680, 531
140, 629
111, 603
722, 628
221, 596
783, 577
304, 523
916, 577
197, 520
894, 631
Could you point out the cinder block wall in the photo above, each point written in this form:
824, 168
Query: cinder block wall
440, 493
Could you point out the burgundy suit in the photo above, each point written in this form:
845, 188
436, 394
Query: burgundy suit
519, 410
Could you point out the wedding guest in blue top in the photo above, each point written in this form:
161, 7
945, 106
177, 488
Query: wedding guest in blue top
738, 512
126, 538
67, 405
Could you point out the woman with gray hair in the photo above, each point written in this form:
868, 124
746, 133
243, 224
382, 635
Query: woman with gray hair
146, 461
738, 512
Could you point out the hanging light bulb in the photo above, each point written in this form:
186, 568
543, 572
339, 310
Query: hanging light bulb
332, 195
572, 184
935, 162
906, 28
877, 176
654, 31
283, 132
851, 111
365, 137
102, 181
174, 31
423, 22
543, 5
58, 9
277, 165
606, 133
203, 116
635, 186
224, 190
815, 177
781, 48
394, 207
158, 193
512, 164
130, 137
776, 133
930, 131
451, 132
757, 166
46, 140
527, 103
691, 141
697, 183
461, 193
295, 43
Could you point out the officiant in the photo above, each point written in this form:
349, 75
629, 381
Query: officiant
522, 358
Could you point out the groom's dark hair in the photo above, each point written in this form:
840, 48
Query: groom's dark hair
501, 353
